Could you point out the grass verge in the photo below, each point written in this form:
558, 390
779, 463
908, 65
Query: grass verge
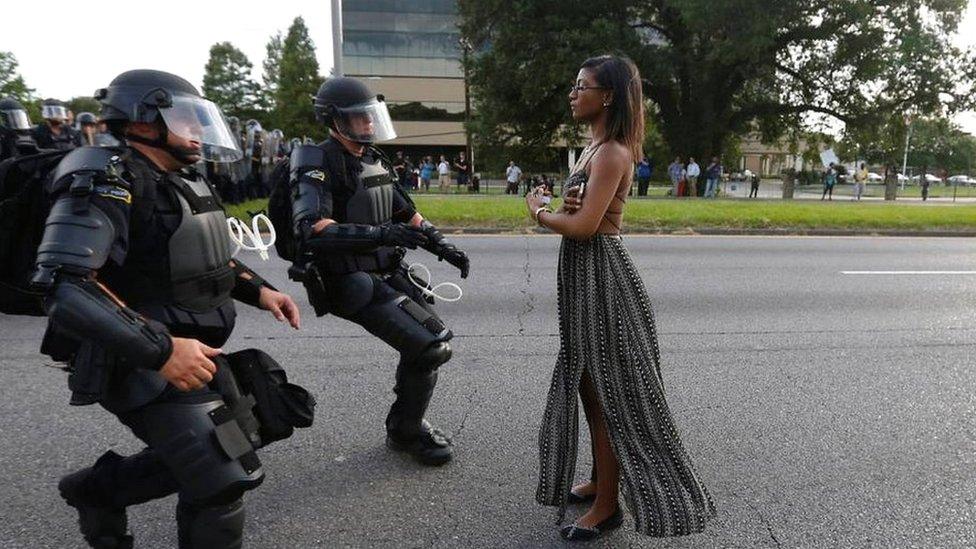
651, 215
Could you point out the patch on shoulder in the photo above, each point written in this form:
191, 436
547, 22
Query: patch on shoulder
316, 174
114, 192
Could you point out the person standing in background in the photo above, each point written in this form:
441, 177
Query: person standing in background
676, 171
643, 176
694, 170
444, 175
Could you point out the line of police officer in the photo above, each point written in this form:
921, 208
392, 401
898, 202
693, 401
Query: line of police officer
139, 282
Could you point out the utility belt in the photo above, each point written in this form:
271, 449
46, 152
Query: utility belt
381, 260
206, 291
315, 274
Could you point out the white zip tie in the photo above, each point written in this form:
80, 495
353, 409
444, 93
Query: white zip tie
432, 292
238, 230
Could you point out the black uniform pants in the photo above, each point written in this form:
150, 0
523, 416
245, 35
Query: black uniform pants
117, 482
394, 310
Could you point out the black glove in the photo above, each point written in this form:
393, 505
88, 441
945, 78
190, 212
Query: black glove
456, 257
444, 251
401, 234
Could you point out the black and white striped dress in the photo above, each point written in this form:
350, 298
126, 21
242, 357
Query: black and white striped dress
606, 325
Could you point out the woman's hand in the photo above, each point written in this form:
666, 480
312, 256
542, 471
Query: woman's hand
571, 200
534, 201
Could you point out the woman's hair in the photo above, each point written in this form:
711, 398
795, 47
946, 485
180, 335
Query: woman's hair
625, 116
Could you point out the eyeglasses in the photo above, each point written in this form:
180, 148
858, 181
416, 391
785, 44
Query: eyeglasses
576, 88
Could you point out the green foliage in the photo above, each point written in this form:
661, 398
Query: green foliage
11, 83
936, 143
298, 80
227, 81
271, 65
713, 68
418, 111
82, 104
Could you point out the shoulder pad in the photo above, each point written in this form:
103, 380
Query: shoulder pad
107, 160
307, 156
314, 173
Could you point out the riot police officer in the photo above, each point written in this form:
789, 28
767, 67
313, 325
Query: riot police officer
55, 132
135, 263
87, 127
14, 129
353, 222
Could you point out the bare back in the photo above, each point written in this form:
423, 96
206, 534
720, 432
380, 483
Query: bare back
612, 218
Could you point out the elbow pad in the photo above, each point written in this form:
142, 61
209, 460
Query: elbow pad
306, 195
86, 311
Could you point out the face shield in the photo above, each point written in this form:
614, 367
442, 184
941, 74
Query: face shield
15, 119
366, 123
54, 112
197, 119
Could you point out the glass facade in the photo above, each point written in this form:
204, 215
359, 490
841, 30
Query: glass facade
401, 38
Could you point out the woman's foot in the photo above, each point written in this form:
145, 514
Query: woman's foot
582, 493
597, 515
581, 531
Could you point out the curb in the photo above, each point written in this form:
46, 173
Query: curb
716, 231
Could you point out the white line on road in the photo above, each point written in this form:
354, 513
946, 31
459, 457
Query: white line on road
908, 272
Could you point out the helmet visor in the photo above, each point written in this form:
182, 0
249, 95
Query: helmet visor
54, 112
15, 119
198, 119
367, 123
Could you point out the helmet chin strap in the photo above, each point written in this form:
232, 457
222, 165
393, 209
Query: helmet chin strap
162, 142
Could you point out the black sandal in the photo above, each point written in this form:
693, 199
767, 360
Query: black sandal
575, 499
575, 532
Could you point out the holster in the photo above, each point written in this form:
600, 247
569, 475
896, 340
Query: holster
88, 376
315, 286
256, 389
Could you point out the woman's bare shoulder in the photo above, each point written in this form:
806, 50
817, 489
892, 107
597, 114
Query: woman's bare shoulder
613, 152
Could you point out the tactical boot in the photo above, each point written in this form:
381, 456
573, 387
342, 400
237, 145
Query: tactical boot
102, 527
430, 446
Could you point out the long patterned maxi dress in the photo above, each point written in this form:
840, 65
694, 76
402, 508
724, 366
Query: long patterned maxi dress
606, 326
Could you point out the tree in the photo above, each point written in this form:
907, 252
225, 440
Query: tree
936, 142
271, 75
298, 80
227, 81
82, 104
11, 83
713, 68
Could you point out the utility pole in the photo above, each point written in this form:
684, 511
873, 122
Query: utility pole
904, 160
469, 152
337, 37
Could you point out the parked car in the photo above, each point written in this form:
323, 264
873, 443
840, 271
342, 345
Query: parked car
962, 180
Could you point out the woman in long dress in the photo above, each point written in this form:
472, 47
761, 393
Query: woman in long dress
608, 344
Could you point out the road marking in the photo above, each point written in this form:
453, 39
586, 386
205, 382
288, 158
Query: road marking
908, 272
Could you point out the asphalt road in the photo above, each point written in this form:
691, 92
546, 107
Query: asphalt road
822, 409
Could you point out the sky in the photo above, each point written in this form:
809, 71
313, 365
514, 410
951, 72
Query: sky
134, 34
177, 37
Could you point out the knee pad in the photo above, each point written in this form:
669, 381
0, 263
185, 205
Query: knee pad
205, 449
212, 526
433, 356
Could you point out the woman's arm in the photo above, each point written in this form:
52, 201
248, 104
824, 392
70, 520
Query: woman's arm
607, 168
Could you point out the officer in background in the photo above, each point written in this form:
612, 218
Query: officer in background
87, 127
55, 132
139, 282
353, 222
15, 129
